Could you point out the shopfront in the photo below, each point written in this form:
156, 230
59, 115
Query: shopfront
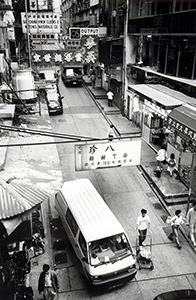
20, 220
116, 83
182, 140
148, 108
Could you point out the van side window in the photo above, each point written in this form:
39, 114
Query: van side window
82, 244
71, 221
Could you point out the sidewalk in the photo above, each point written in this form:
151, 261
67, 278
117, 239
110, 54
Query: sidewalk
172, 192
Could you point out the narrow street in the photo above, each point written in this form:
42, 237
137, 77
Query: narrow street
124, 189
126, 192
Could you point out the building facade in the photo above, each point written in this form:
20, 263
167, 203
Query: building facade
160, 54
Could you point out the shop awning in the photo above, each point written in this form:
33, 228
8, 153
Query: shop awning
16, 199
166, 101
186, 115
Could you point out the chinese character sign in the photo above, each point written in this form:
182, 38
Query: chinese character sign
102, 155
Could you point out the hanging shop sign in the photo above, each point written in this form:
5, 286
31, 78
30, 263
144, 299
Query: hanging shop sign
40, 22
109, 154
76, 33
39, 5
156, 108
87, 53
183, 129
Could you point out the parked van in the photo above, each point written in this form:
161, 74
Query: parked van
96, 235
72, 74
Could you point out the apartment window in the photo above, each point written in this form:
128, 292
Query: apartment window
164, 7
181, 5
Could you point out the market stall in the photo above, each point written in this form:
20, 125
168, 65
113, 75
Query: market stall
148, 108
20, 226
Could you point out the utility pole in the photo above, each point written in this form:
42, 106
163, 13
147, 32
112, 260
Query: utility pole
28, 34
124, 69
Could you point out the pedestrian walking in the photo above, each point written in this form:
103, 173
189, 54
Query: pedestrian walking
191, 222
92, 76
91, 71
110, 96
161, 157
171, 164
93, 79
48, 283
111, 133
143, 224
175, 222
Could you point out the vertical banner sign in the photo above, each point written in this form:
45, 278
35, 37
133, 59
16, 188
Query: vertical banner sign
193, 176
109, 154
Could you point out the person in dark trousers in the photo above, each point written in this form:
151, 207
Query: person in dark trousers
110, 96
175, 222
92, 76
93, 79
171, 164
143, 224
48, 283
161, 157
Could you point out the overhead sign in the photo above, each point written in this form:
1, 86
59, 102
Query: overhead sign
38, 4
41, 22
109, 154
190, 133
76, 33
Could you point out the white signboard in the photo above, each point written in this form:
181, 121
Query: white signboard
41, 22
77, 32
108, 154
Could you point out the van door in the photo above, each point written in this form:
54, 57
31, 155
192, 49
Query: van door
81, 246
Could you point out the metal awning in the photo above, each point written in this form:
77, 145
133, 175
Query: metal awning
186, 115
16, 199
166, 101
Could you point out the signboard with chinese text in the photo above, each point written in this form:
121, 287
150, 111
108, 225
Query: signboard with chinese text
108, 154
87, 53
183, 129
41, 22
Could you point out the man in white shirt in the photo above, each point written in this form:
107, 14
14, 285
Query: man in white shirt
110, 98
143, 223
191, 221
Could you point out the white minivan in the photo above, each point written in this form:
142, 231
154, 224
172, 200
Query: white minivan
96, 235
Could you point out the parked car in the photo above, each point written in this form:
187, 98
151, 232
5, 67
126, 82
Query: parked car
54, 99
177, 295
48, 75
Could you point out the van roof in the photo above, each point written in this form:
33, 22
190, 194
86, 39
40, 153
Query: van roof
90, 211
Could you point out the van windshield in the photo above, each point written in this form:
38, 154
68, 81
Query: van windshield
73, 72
109, 250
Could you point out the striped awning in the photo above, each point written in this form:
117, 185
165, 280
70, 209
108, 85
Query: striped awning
16, 199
